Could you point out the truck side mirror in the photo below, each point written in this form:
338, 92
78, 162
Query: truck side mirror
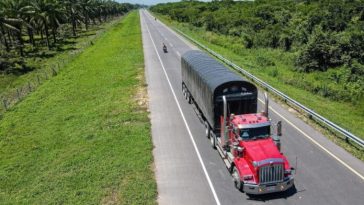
279, 128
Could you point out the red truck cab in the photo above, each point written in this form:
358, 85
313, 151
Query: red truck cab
258, 165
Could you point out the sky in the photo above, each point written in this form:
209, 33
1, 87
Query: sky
148, 2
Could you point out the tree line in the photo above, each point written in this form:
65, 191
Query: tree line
22, 22
322, 34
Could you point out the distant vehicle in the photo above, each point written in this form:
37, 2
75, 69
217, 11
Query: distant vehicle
228, 105
165, 48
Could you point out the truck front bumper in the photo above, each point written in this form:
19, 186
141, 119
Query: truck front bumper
257, 189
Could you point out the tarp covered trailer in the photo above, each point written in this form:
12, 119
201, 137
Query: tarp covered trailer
207, 80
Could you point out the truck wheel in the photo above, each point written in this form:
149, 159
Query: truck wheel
207, 129
213, 141
184, 91
189, 98
236, 177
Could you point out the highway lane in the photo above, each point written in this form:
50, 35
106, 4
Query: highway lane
181, 178
176, 171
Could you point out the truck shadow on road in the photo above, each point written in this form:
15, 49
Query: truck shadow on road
267, 197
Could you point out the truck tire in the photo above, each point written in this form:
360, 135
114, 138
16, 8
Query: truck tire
207, 129
189, 98
236, 177
184, 91
213, 141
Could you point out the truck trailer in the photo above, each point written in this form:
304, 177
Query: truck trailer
227, 105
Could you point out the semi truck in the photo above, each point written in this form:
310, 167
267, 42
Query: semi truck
227, 104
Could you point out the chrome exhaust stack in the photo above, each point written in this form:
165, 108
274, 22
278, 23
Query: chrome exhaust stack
279, 128
224, 131
277, 137
266, 104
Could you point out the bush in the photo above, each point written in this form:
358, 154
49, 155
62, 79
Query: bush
274, 72
264, 61
322, 51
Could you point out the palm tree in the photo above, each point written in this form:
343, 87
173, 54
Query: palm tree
72, 9
87, 8
49, 14
56, 17
7, 26
17, 10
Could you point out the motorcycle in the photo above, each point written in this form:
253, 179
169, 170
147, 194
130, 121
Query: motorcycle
165, 49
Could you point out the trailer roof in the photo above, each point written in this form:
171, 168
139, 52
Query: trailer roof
213, 72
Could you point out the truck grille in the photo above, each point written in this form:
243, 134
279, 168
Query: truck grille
271, 173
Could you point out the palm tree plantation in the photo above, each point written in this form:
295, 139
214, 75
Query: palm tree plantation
32, 30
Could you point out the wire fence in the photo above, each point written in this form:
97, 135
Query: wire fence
310, 113
13, 96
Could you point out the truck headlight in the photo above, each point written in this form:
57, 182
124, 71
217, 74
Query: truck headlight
248, 177
287, 172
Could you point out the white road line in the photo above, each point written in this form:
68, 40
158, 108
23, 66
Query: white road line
191, 45
185, 122
178, 53
316, 143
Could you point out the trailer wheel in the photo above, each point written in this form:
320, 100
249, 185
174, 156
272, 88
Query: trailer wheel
213, 141
236, 177
184, 91
189, 98
207, 129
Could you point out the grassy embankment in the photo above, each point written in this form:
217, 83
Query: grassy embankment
275, 67
84, 136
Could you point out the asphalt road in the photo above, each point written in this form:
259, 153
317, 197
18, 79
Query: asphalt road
189, 171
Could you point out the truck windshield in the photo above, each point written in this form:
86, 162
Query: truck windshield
255, 133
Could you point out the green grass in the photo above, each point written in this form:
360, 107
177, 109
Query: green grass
83, 137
